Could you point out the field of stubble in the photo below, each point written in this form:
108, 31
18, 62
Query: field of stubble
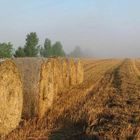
106, 106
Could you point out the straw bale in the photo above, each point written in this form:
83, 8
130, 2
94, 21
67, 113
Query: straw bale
46, 92
79, 71
72, 71
58, 78
65, 72
11, 98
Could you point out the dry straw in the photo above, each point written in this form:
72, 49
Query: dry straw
79, 71
58, 77
46, 87
72, 71
10, 97
65, 72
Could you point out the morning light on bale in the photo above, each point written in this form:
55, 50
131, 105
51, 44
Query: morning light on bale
11, 98
58, 77
46, 87
72, 71
38, 82
65, 72
79, 72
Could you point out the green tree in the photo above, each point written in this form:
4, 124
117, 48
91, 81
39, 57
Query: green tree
77, 52
31, 47
20, 52
6, 50
47, 50
57, 49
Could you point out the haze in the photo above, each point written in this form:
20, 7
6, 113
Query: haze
103, 28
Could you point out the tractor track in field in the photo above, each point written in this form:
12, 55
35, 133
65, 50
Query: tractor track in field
116, 102
120, 117
88, 100
97, 100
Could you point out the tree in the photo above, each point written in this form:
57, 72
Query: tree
77, 52
31, 47
47, 50
57, 49
20, 52
6, 50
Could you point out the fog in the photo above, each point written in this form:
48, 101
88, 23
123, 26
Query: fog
101, 28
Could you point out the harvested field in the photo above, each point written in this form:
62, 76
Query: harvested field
10, 97
106, 106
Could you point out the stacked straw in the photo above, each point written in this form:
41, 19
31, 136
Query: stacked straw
29, 85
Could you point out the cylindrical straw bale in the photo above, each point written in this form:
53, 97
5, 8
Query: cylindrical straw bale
72, 71
79, 71
65, 72
11, 98
58, 78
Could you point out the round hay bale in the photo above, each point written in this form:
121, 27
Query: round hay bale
38, 90
72, 71
11, 98
65, 72
58, 78
79, 72
46, 92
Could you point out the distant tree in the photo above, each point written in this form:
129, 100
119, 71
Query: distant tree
42, 53
19, 52
57, 49
77, 52
31, 47
46, 51
6, 50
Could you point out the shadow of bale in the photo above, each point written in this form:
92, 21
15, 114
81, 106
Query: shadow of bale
73, 131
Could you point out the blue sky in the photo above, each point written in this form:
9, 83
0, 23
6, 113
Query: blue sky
107, 28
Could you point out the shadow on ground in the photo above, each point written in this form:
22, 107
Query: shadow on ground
73, 131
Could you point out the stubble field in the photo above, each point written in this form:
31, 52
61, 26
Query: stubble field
106, 106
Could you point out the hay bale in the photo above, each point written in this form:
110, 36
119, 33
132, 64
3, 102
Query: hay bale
72, 71
46, 89
37, 77
79, 72
10, 97
58, 78
65, 72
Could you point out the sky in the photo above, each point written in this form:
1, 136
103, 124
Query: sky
102, 28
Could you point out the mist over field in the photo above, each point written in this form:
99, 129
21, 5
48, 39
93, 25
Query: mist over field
101, 28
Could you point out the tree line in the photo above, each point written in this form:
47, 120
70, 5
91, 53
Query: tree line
33, 49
